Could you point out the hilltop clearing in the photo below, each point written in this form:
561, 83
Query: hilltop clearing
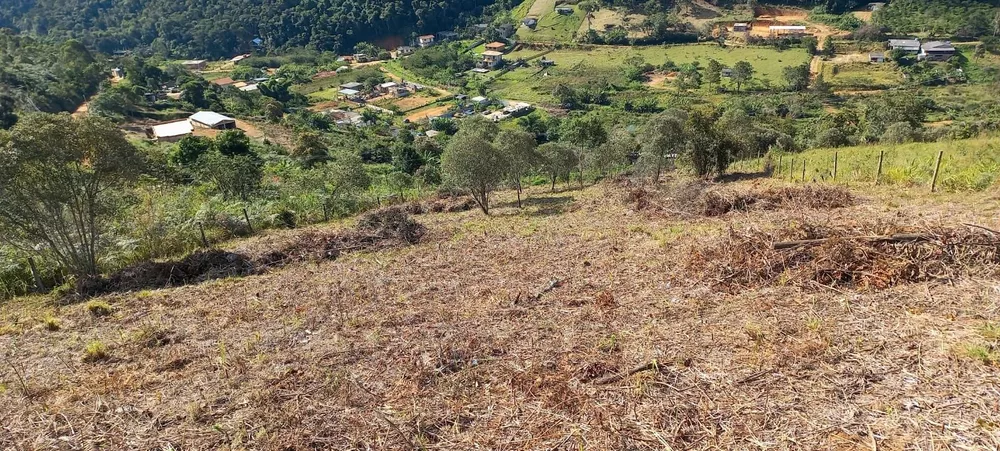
590, 319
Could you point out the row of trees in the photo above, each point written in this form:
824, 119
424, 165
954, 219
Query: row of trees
482, 156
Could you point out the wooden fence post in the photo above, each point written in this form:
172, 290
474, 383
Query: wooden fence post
34, 274
201, 228
791, 170
247, 217
878, 175
937, 167
803, 170
779, 165
835, 154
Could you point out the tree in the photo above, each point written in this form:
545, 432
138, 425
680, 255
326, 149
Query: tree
232, 143
585, 133
189, 149
810, 44
471, 163
558, 160
235, 177
61, 184
621, 144
520, 150
828, 47
742, 73
661, 137
707, 149
714, 72
309, 148
338, 181
797, 77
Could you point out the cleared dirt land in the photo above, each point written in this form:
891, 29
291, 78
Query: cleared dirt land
613, 317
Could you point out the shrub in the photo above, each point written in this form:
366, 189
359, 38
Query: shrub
51, 323
99, 308
95, 352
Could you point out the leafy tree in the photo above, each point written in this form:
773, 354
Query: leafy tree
810, 44
405, 158
898, 133
61, 184
236, 177
474, 164
309, 148
189, 149
339, 180
742, 73
586, 133
558, 160
245, 72
519, 148
621, 144
828, 47
232, 143
399, 182
194, 92
661, 137
797, 77
713, 74
707, 149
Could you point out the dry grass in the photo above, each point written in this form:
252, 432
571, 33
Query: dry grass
520, 331
862, 255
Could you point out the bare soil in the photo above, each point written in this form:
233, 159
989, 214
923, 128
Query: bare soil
574, 323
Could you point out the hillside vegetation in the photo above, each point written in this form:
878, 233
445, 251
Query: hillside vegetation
216, 28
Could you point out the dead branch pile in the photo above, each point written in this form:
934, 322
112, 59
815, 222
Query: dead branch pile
197, 267
674, 196
380, 229
720, 202
865, 257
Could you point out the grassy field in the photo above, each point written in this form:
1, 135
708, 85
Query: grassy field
553, 27
967, 165
863, 76
579, 66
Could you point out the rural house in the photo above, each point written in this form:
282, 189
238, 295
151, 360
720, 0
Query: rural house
876, 57
447, 35
936, 51
787, 30
741, 27
213, 120
194, 64
496, 46
352, 85
492, 59
906, 45
426, 40
171, 131
564, 10
530, 22
404, 51
875, 6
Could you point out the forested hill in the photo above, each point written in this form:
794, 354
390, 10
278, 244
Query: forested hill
216, 28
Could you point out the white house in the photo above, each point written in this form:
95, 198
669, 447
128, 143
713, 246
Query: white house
906, 45
172, 131
211, 119
426, 40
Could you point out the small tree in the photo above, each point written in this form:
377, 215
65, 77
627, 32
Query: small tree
60, 186
520, 150
189, 149
797, 77
742, 73
810, 44
473, 164
662, 136
828, 47
586, 134
713, 74
559, 160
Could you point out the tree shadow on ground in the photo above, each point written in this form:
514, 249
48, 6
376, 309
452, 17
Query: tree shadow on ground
741, 176
545, 206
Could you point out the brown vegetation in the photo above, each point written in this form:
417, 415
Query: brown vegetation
546, 329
